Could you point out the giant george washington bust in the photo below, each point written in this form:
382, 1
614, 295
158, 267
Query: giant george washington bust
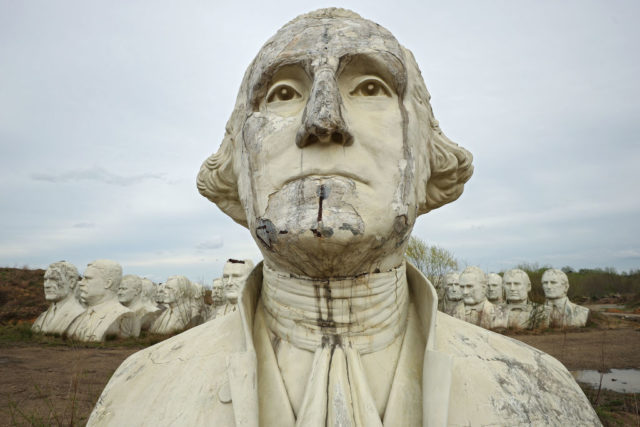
331, 153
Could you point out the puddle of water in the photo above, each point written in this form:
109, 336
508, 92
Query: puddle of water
618, 380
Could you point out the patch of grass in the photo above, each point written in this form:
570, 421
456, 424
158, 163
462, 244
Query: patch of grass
614, 409
18, 333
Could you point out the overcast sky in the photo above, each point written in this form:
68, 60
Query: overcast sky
108, 109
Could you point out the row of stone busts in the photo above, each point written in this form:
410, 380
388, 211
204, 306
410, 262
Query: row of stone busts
104, 303
491, 301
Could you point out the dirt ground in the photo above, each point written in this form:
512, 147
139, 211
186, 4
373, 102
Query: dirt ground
57, 385
590, 349
42, 385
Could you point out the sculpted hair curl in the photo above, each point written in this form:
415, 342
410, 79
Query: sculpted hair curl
67, 272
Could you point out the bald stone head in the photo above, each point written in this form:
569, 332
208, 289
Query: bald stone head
234, 275
332, 150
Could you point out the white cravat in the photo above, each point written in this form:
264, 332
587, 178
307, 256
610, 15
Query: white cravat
338, 320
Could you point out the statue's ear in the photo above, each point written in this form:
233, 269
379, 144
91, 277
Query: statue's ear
451, 167
218, 182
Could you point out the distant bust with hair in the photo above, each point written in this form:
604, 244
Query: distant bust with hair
478, 310
453, 304
60, 281
518, 309
104, 315
560, 312
330, 155
495, 290
138, 295
176, 294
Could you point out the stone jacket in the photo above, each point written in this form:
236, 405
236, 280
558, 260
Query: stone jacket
107, 318
567, 315
471, 376
57, 318
487, 315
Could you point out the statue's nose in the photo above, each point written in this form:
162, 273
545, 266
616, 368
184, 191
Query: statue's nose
322, 121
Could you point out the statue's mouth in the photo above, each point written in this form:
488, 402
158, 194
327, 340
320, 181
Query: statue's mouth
326, 174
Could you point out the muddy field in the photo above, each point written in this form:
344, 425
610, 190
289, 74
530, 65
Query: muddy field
45, 385
590, 349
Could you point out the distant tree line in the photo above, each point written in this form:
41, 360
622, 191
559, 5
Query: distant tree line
585, 283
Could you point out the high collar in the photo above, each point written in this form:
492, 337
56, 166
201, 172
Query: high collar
367, 312
557, 302
422, 294
436, 372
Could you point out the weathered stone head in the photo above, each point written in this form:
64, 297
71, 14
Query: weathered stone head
217, 292
332, 150
516, 286
452, 286
100, 282
130, 290
149, 290
234, 274
176, 290
60, 280
555, 284
473, 282
495, 291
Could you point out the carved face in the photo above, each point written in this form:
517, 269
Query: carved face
93, 286
452, 287
516, 288
170, 292
325, 174
55, 289
217, 291
494, 287
129, 289
473, 292
234, 275
554, 285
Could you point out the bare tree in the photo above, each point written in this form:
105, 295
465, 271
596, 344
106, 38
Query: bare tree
432, 260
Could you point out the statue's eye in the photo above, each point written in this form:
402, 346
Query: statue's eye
282, 92
371, 87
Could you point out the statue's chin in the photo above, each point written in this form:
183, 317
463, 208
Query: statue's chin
332, 251
323, 227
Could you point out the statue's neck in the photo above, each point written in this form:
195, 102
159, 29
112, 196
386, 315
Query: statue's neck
557, 302
477, 306
367, 311
104, 298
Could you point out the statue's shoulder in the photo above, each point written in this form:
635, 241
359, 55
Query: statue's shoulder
497, 380
39, 323
189, 367
577, 309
